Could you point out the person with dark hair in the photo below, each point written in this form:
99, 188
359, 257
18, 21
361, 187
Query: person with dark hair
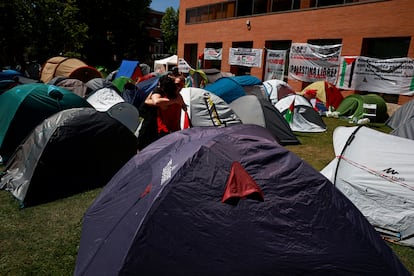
161, 110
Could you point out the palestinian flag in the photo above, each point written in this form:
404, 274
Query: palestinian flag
187, 121
289, 112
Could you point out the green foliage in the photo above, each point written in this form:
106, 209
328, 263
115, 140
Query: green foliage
91, 29
43, 240
169, 28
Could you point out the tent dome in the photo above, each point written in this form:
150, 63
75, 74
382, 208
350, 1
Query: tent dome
68, 67
226, 201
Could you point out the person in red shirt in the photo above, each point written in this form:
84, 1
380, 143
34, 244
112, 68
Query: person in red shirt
161, 110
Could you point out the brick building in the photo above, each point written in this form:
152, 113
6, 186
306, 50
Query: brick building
156, 44
372, 28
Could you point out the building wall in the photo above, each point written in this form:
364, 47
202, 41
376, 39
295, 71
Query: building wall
154, 30
351, 23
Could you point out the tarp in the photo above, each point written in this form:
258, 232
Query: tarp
226, 201
25, 106
374, 170
72, 151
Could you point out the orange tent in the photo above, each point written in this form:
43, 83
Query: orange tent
68, 67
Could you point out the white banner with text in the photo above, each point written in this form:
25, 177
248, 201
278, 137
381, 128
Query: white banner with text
246, 57
389, 76
275, 64
310, 63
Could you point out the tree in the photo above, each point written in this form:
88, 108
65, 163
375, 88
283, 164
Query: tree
116, 29
90, 29
169, 28
39, 29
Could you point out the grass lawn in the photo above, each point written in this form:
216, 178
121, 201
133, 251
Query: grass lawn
43, 240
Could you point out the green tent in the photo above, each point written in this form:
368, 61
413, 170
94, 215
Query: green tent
25, 106
356, 106
120, 82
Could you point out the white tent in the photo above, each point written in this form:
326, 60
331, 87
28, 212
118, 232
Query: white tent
165, 64
374, 170
305, 118
207, 109
104, 98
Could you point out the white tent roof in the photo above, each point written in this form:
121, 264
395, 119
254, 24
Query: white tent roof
374, 170
104, 98
207, 109
165, 63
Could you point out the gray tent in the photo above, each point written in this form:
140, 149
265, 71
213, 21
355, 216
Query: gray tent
259, 111
76, 86
208, 109
374, 170
72, 151
402, 121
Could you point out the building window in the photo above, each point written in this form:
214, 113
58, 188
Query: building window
215, 11
241, 70
280, 45
213, 63
386, 47
285, 5
244, 7
191, 16
190, 54
323, 3
261, 6
229, 9
236, 8
203, 13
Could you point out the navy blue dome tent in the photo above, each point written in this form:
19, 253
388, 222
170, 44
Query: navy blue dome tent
226, 201
72, 151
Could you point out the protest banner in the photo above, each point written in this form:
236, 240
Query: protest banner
310, 63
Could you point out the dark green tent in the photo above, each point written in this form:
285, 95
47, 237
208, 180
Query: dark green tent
25, 106
356, 106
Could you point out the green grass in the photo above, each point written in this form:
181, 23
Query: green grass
43, 240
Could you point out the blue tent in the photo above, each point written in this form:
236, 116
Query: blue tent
9, 74
136, 94
129, 68
247, 80
226, 201
226, 88
231, 88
